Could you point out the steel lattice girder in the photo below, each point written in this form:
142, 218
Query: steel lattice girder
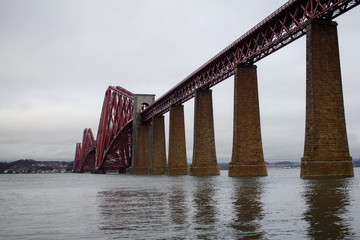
89, 161
77, 157
88, 145
282, 27
118, 155
116, 119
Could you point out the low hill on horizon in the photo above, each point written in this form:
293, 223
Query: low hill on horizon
33, 166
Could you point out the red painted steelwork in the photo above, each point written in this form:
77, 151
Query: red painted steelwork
114, 138
89, 161
276, 31
77, 157
118, 156
87, 153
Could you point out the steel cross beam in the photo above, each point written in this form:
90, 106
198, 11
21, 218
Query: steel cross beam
279, 29
116, 117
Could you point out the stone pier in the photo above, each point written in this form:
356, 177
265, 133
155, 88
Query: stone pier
140, 162
326, 151
247, 152
157, 146
204, 155
177, 161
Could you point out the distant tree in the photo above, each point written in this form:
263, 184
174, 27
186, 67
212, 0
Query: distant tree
3, 166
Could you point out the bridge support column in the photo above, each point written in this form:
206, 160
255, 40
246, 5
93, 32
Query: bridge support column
141, 140
204, 154
326, 151
247, 152
177, 162
157, 146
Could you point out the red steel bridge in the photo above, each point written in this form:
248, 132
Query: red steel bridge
112, 149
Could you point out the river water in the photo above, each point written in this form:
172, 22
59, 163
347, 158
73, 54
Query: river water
87, 206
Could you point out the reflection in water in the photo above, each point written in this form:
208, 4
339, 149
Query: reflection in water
248, 208
205, 206
178, 206
229, 208
132, 214
327, 213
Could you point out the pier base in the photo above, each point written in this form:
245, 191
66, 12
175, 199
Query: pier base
141, 140
204, 154
177, 162
322, 169
326, 151
157, 146
247, 153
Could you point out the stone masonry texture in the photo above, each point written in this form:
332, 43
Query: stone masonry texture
204, 154
157, 146
247, 152
326, 151
177, 162
141, 140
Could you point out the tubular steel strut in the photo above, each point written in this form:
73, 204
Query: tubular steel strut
114, 137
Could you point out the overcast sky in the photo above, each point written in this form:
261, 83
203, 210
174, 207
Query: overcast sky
57, 59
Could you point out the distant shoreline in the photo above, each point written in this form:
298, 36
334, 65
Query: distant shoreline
33, 166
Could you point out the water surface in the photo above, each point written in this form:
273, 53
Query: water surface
86, 206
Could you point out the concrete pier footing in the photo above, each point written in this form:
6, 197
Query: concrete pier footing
326, 151
247, 152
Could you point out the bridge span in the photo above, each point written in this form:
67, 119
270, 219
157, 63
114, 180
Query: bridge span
131, 134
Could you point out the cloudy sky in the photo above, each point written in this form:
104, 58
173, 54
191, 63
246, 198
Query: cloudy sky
57, 58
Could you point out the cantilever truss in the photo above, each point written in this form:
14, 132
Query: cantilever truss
85, 153
114, 138
279, 29
77, 157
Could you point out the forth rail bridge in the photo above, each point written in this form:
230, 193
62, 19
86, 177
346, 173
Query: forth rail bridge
131, 133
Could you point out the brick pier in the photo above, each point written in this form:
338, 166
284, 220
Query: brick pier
326, 151
140, 162
204, 154
177, 162
247, 153
157, 146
